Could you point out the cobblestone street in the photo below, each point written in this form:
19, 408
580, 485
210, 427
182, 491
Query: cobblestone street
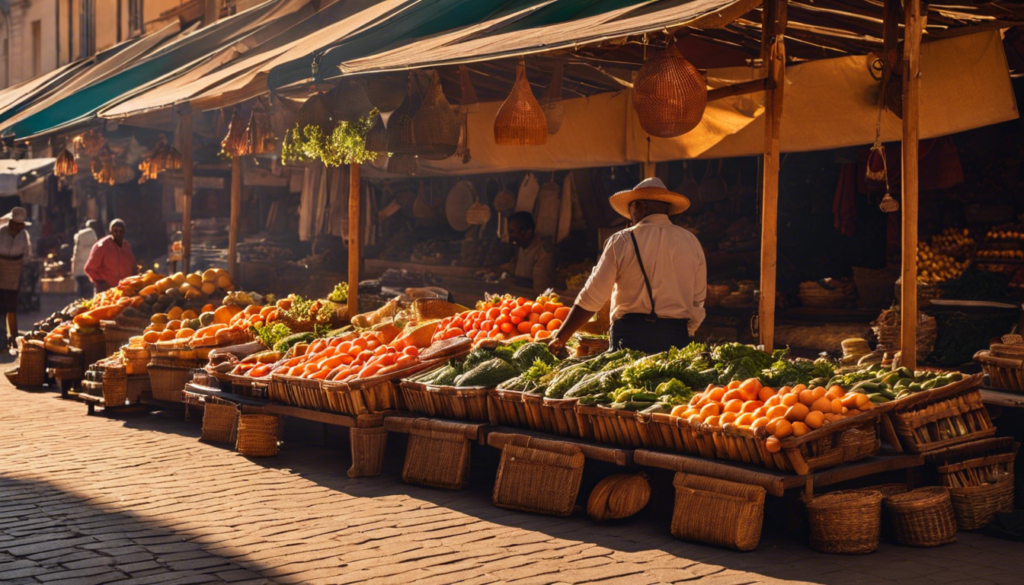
89, 500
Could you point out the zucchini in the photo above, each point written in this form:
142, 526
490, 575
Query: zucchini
285, 344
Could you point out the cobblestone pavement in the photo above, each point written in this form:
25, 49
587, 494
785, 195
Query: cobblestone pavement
89, 500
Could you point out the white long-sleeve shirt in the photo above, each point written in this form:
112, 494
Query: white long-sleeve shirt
84, 241
675, 265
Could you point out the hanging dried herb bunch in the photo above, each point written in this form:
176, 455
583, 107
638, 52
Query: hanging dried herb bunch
345, 144
65, 166
234, 142
259, 137
163, 157
102, 166
89, 142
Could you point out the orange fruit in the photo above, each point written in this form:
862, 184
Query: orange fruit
733, 385
835, 392
728, 417
763, 411
790, 399
745, 419
800, 429
167, 335
777, 411
819, 392
733, 395
554, 324
823, 405
773, 445
733, 405
807, 397
561, 313
710, 410
543, 335
758, 423
765, 394
797, 412
751, 405
815, 419
716, 394
695, 419
783, 429
837, 406
545, 317
774, 400
713, 421
750, 388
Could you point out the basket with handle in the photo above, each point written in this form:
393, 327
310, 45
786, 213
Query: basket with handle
1003, 363
716, 511
537, 475
220, 421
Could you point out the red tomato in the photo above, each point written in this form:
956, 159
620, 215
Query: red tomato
380, 350
453, 333
524, 327
522, 301
537, 308
561, 313
507, 327
487, 325
554, 324
536, 328
412, 350
534, 318
493, 313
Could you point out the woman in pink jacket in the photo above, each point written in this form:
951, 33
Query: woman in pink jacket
111, 259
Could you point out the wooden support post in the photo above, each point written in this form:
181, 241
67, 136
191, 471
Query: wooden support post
354, 239
211, 11
186, 171
773, 55
236, 209
911, 85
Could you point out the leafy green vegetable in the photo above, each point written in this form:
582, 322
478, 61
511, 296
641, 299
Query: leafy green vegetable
270, 335
792, 372
339, 294
346, 143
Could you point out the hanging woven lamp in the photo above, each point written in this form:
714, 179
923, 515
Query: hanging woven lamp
402, 164
347, 102
259, 138
377, 136
234, 140
436, 125
554, 110
385, 90
669, 95
314, 112
401, 136
520, 120
89, 142
65, 165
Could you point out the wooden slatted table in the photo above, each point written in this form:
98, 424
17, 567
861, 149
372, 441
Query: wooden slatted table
367, 434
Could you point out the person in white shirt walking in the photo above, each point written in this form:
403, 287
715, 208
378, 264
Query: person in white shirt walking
84, 241
15, 247
654, 273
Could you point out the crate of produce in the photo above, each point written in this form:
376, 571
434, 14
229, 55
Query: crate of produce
297, 391
942, 417
506, 408
468, 404
1003, 363
716, 511
609, 425
980, 478
537, 475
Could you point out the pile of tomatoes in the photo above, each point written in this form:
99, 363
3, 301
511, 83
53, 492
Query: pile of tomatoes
348, 356
504, 319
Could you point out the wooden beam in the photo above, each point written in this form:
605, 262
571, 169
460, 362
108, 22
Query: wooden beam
354, 239
911, 92
747, 87
773, 55
211, 11
236, 210
186, 170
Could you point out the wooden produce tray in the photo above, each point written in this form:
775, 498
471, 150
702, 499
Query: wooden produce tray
450, 402
608, 425
507, 408
941, 417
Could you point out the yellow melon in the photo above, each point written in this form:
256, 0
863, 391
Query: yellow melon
208, 287
194, 279
178, 278
224, 282
210, 275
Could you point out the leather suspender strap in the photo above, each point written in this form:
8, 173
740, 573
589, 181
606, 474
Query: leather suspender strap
647, 282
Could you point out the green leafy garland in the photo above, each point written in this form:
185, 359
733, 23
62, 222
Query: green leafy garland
345, 145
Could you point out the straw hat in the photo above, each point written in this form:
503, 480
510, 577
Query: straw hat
652, 189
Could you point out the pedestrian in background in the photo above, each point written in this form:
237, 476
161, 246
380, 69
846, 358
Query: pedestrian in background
15, 247
111, 259
85, 239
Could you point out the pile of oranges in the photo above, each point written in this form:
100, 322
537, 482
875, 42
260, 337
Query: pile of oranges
781, 413
348, 356
505, 319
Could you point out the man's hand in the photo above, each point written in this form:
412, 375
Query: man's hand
557, 347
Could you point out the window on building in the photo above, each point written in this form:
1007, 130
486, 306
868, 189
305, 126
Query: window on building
136, 24
37, 47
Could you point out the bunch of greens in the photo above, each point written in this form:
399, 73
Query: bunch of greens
339, 294
345, 145
785, 372
269, 335
687, 365
736, 361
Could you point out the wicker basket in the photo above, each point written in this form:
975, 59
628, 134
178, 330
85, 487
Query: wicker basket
437, 456
669, 95
377, 136
136, 360
115, 386
347, 101
116, 335
430, 309
520, 120
257, 435
976, 506
719, 512
385, 90
538, 475
975, 463
507, 408
401, 135
943, 417
923, 517
468, 404
887, 329
1004, 366
32, 364
93, 346
136, 385
220, 421
167, 383
611, 426
436, 125
845, 522
554, 415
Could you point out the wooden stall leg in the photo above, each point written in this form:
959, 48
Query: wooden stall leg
367, 450
890, 434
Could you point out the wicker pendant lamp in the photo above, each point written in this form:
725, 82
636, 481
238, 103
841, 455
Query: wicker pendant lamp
401, 135
259, 138
65, 165
436, 125
377, 136
520, 121
347, 102
314, 112
669, 95
385, 90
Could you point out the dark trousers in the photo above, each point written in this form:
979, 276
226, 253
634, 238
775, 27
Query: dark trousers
84, 287
649, 334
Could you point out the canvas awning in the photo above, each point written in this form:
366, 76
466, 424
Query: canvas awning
160, 65
16, 174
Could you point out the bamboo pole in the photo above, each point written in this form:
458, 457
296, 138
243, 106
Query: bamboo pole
354, 240
773, 55
186, 170
911, 86
236, 209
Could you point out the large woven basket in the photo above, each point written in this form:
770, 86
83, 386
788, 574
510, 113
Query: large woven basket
347, 101
167, 383
136, 359
887, 329
385, 90
220, 421
1003, 363
943, 417
715, 511
923, 517
506, 408
436, 125
377, 136
520, 120
115, 386
669, 95
611, 426
32, 364
93, 346
401, 132
538, 475
116, 335
437, 456
257, 435
845, 522
468, 404
976, 506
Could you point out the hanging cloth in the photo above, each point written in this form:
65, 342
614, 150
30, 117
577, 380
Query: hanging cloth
546, 209
528, 190
307, 202
844, 204
565, 208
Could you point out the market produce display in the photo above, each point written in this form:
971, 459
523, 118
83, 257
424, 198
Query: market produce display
883, 385
506, 318
934, 266
491, 366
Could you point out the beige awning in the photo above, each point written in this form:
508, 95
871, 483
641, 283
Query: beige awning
830, 103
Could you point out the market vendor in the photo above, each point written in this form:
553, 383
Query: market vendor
111, 259
15, 246
534, 262
85, 239
653, 272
